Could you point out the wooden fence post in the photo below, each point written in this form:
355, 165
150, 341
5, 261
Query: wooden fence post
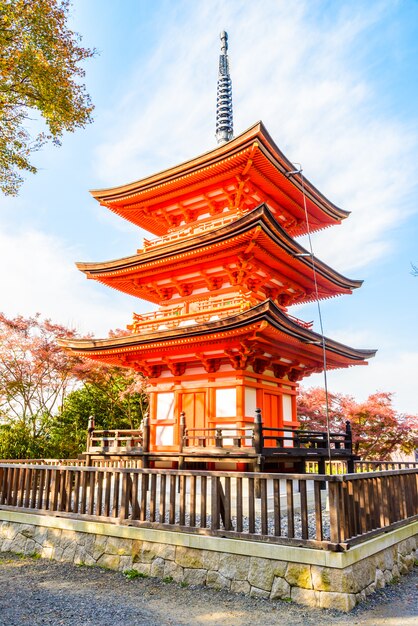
145, 440
182, 432
348, 436
258, 447
258, 432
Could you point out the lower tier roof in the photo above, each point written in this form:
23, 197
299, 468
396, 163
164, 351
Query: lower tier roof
262, 338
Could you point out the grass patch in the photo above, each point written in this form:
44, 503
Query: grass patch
168, 579
131, 574
184, 584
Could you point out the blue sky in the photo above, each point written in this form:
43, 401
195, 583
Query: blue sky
336, 84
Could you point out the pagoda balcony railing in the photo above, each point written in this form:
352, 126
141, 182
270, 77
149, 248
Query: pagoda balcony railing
202, 312
300, 322
196, 228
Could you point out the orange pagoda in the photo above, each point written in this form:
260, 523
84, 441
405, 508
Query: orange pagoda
224, 268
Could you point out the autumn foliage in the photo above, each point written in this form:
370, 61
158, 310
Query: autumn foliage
40, 72
378, 429
47, 394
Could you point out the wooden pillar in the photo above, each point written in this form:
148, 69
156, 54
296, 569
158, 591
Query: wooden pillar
145, 440
258, 447
182, 435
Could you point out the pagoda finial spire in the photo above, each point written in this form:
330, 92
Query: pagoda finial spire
224, 122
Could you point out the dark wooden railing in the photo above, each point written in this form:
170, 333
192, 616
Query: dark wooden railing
377, 466
116, 439
282, 508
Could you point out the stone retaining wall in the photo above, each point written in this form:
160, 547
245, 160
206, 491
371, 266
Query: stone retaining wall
311, 577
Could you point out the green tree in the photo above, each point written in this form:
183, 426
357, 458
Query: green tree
47, 393
39, 71
115, 397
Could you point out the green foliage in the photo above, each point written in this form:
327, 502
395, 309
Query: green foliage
18, 442
39, 71
47, 394
109, 398
131, 574
168, 579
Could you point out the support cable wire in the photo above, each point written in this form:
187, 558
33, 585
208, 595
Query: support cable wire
324, 354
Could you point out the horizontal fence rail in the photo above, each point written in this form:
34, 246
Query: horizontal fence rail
281, 508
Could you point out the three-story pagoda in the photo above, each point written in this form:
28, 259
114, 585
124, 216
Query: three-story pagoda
224, 267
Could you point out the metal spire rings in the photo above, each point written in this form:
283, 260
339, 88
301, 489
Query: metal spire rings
224, 122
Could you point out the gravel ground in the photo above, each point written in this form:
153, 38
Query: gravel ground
39, 592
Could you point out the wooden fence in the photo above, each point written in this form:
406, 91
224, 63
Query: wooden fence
279, 508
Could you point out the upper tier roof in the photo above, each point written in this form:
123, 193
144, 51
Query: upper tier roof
254, 251
238, 174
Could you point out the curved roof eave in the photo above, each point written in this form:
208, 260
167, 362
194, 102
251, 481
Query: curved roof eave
256, 132
266, 311
258, 216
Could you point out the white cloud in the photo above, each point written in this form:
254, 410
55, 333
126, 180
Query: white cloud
37, 274
305, 79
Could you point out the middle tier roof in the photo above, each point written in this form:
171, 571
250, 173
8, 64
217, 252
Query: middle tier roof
253, 253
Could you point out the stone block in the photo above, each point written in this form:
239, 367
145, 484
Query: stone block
280, 589
27, 530
117, 545
40, 535
395, 573
199, 559
388, 576
53, 537
68, 538
157, 567
308, 597
240, 586
99, 547
234, 566
19, 543
82, 557
364, 573
46, 552
194, 576
299, 575
379, 580
174, 571
68, 553
31, 547
150, 551
136, 550
361, 597
125, 562
337, 601
370, 589
142, 568
328, 579
256, 592
6, 545
216, 580
279, 568
57, 553
261, 573
109, 561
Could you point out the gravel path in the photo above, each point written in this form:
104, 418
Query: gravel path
37, 592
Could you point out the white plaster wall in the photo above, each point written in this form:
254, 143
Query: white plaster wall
165, 406
287, 408
250, 401
164, 435
226, 402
